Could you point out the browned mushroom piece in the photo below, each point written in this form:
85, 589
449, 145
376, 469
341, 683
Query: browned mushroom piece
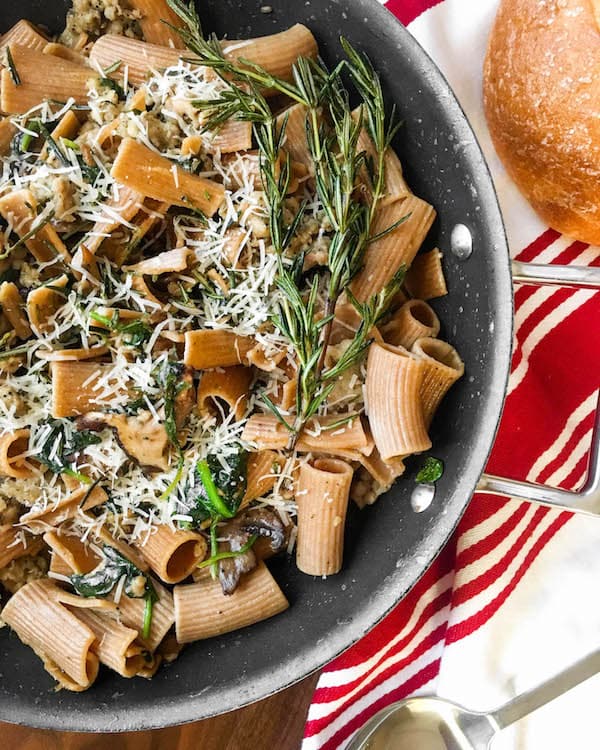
265, 523
259, 522
140, 436
232, 568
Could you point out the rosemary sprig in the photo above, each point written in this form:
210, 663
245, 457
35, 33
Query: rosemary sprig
333, 136
381, 129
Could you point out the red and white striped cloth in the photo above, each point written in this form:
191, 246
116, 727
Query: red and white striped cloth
514, 596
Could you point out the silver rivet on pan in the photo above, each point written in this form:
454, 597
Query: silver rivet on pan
461, 241
421, 497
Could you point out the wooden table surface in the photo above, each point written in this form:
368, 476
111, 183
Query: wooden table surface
275, 723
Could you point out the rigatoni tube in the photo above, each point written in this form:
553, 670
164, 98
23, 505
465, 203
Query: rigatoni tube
322, 435
442, 367
156, 22
385, 256
14, 543
276, 53
322, 497
207, 349
172, 554
56, 635
140, 58
116, 645
394, 404
42, 77
225, 390
19, 209
131, 614
425, 278
154, 176
414, 320
202, 610
13, 450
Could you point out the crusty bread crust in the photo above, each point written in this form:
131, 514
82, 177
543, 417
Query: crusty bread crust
542, 102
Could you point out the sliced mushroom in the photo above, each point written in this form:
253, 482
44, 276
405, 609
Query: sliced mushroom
140, 436
232, 568
260, 522
265, 523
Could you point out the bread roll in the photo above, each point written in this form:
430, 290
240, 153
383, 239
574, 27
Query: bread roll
542, 102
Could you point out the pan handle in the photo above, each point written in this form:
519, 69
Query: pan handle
587, 499
541, 274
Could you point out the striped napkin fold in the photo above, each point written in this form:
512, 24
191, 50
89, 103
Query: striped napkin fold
514, 596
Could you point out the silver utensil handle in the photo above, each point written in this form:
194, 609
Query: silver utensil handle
544, 274
587, 499
537, 697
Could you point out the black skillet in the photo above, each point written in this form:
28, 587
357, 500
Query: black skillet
388, 546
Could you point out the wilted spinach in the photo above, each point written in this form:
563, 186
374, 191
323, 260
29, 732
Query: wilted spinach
102, 580
215, 491
61, 445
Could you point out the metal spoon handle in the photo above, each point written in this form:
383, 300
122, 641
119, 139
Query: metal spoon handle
542, 274
538, 696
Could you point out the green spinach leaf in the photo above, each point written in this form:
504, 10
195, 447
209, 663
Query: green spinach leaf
102, 580
61, 444
215, 491
431, 470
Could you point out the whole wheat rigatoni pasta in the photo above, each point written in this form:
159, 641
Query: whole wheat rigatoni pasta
116, 645
42, 77
202, 610
172, 555
205, 269
12, 307
394, 379
225, 390
207, 349
74, 384
40, 519
77, 556
156, 22
425, 278
14, 455
19, 209
323, 435
414, 320
25, 34
150, 174
53, 632
322, 496
8, 130
138, 58
15, 543
276, 53
442, 368
131, 612
395, 249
